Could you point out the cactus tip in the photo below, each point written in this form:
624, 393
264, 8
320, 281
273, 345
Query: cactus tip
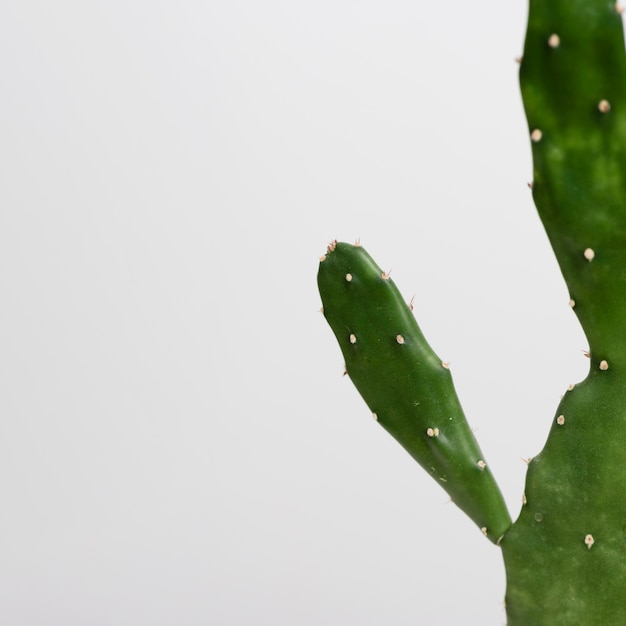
589, 541
536, 135
589, 254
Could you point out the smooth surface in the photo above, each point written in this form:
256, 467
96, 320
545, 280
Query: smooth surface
575, 98
178, 444
406, 386
565, 556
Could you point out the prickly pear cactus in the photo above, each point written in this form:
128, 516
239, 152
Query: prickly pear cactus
565, 556
406, 386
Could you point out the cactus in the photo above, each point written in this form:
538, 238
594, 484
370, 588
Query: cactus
565, 555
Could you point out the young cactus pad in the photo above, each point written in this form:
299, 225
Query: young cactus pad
405, 385
565, 556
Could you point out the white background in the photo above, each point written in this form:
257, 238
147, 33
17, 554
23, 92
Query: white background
177, 442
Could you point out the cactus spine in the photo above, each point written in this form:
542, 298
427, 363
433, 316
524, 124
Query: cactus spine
565, 556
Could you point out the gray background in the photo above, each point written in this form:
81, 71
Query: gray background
178, 444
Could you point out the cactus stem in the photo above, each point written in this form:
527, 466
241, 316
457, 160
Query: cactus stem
536, 135
604, 365
589, 541
589, 254
348, 277
560, 420
398, 374
604, 106
554, 40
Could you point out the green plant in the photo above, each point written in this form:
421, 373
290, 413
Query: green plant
565, 555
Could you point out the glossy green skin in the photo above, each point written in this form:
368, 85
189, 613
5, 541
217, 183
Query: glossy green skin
577, 485
565, 555
404, 383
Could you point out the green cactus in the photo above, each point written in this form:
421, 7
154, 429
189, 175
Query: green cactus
565, 555
406, 386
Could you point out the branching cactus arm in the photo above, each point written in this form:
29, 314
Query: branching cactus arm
406, 386
573, 83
